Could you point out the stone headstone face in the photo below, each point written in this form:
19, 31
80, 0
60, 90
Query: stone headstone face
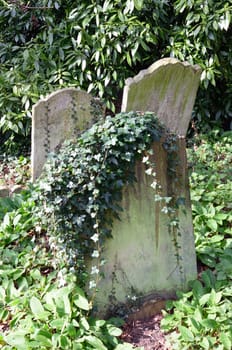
141, 258
168, 88
62, 115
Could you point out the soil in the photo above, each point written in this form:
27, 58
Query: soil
145, 333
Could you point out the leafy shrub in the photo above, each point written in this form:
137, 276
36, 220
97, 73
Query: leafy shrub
201, 35
97, 45
54, 44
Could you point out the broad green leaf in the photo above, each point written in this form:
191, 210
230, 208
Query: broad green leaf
4, 315
25, 55
212, 224
2, 295
43, 337
17, 219
80, 299
205, 343
67, 305
196, 325
50, 38
138, 4
118, 47
83, 64
226, 340
99, 323
198, 289
186, 334
59, 299
128, 58
37, 309
204, 299
84, 323
215, 297
208, 278
216, 239
6, 220
58, 323
65, 342
210, 324
114, 331
81, 302
95, 342
17, 339
221, 216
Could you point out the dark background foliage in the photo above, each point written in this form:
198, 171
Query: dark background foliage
96, 45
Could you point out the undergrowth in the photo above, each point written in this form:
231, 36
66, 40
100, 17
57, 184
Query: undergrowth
202, 318
43, 307
43, 261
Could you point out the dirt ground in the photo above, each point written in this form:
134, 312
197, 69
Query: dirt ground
145, 333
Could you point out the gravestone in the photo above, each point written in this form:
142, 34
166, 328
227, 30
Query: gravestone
60, 116
142, 261
168, 88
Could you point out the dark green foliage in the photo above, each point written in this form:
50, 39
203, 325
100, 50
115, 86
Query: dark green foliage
95, 45
92, 45
202, 35
81, 187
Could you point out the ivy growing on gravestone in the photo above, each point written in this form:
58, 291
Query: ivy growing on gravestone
81, 186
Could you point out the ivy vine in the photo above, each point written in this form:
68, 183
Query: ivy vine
80, 190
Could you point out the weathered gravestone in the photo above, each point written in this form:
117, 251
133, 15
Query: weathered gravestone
147, 258
60, 116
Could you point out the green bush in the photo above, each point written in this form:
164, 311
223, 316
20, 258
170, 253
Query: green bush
96, 45
202, 35
92, 45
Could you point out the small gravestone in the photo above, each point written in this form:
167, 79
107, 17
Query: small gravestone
60, 116
142, 261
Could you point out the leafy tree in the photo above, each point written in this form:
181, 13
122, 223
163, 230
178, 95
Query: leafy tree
202, 35
96, 45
